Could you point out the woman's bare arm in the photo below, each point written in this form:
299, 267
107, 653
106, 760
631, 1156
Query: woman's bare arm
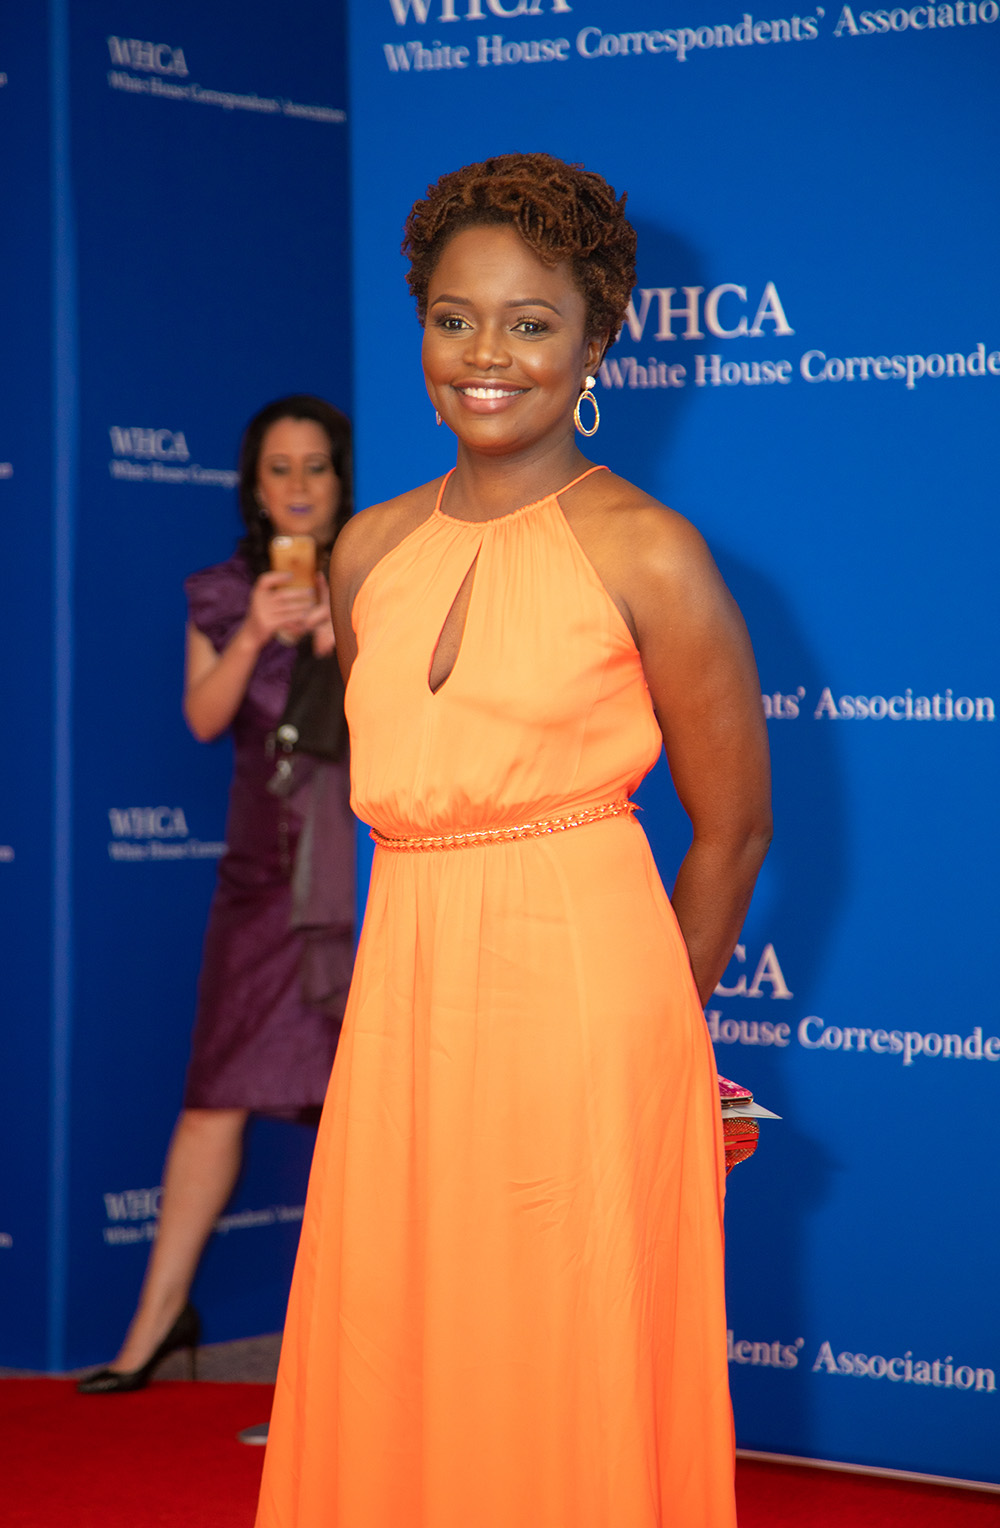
215, 683
700, 669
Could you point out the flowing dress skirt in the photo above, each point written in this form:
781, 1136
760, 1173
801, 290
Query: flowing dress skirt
508, 1306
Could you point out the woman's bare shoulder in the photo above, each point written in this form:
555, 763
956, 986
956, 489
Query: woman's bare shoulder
637, 529
372, 533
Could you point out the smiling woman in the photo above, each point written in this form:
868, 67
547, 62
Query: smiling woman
508, 1306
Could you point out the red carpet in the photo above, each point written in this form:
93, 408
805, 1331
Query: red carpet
168, 1458
790, 1496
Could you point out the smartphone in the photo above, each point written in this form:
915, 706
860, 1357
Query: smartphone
295, 555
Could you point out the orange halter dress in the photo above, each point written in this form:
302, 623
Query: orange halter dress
508, 1304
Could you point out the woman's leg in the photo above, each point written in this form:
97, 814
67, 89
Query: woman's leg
202, 1166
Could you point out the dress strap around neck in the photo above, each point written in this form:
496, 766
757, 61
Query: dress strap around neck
601, 467
444, 484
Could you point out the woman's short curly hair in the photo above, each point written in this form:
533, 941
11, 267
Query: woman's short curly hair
561, 211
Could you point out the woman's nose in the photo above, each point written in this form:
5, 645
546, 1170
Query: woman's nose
486, 348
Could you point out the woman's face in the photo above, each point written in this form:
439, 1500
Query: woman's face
505, 351
297, 486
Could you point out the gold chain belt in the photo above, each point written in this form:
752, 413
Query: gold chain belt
504, 835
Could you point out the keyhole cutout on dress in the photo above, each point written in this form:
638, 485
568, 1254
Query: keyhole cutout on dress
449, 642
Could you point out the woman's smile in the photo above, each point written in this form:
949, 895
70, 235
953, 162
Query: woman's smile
488, 397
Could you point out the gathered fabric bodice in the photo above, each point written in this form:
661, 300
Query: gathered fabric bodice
546, 708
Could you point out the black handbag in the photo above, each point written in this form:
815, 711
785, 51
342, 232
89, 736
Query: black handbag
313, 720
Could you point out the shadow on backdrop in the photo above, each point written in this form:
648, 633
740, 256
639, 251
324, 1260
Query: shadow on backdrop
800, 893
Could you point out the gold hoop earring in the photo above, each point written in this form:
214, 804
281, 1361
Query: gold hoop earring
587, 396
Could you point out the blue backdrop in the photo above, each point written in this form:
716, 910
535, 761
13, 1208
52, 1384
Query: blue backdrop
811, 373
187, 262
32, 563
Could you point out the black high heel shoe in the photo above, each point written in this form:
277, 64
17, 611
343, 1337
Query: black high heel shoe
185, 1333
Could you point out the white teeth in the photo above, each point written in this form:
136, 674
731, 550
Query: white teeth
487, 392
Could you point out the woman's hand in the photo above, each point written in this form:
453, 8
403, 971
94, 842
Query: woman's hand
278, 609
215, 683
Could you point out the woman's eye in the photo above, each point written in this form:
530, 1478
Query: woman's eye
318, 468
531, 326
451, 323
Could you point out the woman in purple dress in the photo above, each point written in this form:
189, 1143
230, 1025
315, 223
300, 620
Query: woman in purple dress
279, 944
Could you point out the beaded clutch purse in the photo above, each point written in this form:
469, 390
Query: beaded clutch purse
739, 1121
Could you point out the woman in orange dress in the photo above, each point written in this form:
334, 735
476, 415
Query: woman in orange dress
508, 1305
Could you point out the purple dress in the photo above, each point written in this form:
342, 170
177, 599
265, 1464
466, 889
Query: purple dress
258, 1042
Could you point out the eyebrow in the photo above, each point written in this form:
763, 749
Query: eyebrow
524, 302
